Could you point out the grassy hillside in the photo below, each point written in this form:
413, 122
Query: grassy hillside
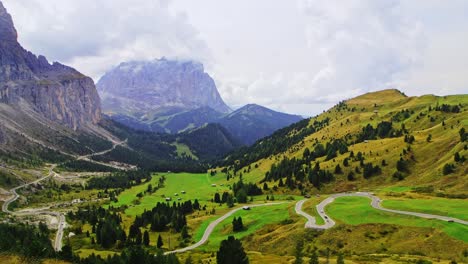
424, 132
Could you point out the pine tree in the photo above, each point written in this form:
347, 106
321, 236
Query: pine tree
298, 254
231, 251
184, 232
146, 239
340, 259
139, 238
314, 258
160, 242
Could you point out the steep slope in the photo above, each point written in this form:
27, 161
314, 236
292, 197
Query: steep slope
188, 151
210, 142
56, 91
377, 139
253, 122
46, 110
139, 89
186, 120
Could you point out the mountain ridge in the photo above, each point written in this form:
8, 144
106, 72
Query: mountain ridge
406, 140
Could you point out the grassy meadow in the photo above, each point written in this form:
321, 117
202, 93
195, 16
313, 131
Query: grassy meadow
357, 210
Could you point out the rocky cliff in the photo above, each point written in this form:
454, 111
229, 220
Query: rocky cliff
58, 92
141, 88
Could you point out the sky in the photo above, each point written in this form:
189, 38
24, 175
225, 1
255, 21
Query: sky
295, 56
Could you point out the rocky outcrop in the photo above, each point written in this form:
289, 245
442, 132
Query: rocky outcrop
141, 88
58, 92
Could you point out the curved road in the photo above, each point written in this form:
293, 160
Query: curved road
375, 203
15, 197
212, 226
60, 216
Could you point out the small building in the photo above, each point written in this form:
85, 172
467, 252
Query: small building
183, 192
168, 199
307, 195
176, 194
213, 185
246, 208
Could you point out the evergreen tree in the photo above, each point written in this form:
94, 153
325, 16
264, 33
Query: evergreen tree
146, 239
217, 199
184, 232
314, 258
160, 241
139, 238
340, 259
463, 134
298, 252
338, 169
231, 252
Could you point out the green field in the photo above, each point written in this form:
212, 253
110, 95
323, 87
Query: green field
310, 208
253, 220
196, 186
357, 210
457, 208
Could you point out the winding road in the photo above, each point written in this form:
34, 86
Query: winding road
60, 216
375, 203
311, 222
212, 226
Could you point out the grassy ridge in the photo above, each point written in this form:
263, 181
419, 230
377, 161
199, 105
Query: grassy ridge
426, 159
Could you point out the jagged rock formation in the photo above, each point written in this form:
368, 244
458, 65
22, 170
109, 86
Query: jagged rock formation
58, 92
141, 89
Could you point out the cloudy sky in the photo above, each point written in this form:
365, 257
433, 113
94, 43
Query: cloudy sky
296, 56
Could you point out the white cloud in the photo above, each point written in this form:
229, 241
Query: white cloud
296, 56
95, 35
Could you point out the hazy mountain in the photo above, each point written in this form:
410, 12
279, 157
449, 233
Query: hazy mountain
142, 88
176, 96
253, 122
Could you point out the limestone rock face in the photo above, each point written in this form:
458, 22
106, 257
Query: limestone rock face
143, 87
58, 92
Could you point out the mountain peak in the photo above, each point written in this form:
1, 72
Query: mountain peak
378, 97
146, 86
7, 29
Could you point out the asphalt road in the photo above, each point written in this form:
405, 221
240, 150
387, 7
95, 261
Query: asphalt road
212, 226
15, 197
375, 203
60, 217
59, 234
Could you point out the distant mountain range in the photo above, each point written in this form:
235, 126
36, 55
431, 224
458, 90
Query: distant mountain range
52, 113
177, 96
